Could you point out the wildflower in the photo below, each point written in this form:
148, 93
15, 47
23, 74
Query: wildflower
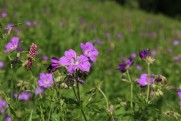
144, 53
28, 23
153, 52
176, 42
46, 80
138, 67
179, 93
3, 105
98, 42
107, 34
133, 55
55, 62
89, 51
143, 80
39, 90
24, 96
3, 14
73, 62
124, 65
32, 54
12, 45
45, 57
7, 118
9, 26
119, 35
1, 64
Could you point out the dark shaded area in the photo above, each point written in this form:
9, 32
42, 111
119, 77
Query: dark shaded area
170, 8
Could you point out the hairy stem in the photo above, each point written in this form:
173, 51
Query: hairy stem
148, 87
131, 88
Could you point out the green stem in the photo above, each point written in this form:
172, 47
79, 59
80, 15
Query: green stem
131, 88
107, 104
148, 87
80, 103
75, 94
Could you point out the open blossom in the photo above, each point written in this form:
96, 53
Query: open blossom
143, 80
24, 96
179, 94
123, 66
73, 62
12, 45
3, 106
46, 80
1, 64
39, 90
7, 118
89, 51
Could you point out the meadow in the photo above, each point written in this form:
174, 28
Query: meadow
118, 33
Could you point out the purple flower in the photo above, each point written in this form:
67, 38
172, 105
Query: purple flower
143, 80
54, 66
3, 106
124, 65
45, 57
144, 53
1, 64
107, 34
8, 118
179, 103
9, 26
98, 42
138, 67
89, 51
179, 93
153, 52
46, 80
28, 23
3, 14
133, 55
119, 35
176, 42
39, 90
73, 62
12, 45
24, 96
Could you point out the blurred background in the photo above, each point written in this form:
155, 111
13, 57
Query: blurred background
118, 28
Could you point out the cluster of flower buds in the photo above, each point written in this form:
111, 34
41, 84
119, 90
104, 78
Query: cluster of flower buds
31, 55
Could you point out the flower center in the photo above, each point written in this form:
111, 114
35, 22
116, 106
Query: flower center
75, 61
46, 81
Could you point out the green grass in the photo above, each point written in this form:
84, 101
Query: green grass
59, 29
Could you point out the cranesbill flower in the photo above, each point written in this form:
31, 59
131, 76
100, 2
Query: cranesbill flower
143, 80
39, 90
138, 67
3, 105
7, 118
124, 65
89, 51
144, 53
73, 62
179, 93
55, 62
24, 96
46, 80
1, 64
12, 45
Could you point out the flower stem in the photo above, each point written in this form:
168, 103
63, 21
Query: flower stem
80, 103
107, 104
131, 88
148, 87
